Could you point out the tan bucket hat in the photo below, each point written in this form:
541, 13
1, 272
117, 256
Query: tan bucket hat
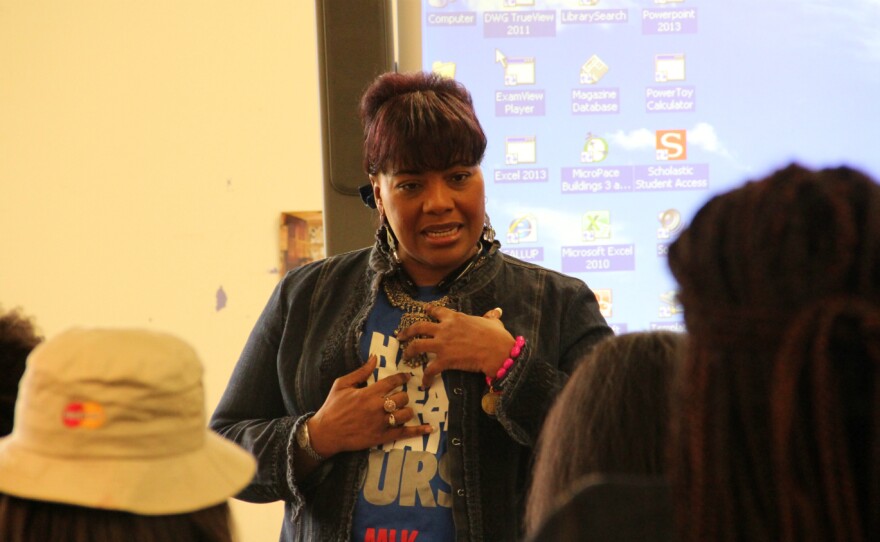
115, 419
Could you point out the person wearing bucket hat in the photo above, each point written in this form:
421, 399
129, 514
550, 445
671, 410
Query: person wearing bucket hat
110, 441
398, 390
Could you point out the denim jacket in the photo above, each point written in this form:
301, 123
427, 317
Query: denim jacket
307, 336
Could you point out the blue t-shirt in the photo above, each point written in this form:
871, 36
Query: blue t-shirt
406, 496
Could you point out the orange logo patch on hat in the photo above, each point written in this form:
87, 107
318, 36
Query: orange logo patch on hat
84, 414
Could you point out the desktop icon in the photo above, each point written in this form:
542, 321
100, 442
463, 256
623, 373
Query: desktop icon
670, 223
445, 69
517, 70
595, 149
523, 229
669, 305
593, 70
603, 296
671, 145
669, 67
519, 150
596, 225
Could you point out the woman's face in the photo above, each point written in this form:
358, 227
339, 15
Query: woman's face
437, 217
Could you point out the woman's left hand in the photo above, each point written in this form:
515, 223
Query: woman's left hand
478, 344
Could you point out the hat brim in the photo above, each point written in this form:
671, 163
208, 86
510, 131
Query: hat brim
148, 486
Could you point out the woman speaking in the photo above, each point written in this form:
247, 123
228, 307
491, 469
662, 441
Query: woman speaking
396, 392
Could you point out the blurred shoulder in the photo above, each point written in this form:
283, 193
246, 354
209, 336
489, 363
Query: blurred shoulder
612, 509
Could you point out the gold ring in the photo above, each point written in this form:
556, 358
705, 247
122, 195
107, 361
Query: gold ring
390, 405
392, 421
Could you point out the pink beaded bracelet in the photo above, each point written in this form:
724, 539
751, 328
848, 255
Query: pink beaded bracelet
520, 342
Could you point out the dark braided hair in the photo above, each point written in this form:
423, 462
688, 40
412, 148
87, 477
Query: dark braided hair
775, 432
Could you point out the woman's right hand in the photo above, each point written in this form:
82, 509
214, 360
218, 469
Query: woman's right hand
354, 418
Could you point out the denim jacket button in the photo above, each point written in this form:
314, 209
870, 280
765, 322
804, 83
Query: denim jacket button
460, 493
457, 391
456, 441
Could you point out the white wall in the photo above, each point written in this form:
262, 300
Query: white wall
146, 152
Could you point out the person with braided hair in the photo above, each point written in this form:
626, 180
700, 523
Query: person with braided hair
775, 436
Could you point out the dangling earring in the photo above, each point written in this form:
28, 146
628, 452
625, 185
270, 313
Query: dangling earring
392, 242
488, 230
